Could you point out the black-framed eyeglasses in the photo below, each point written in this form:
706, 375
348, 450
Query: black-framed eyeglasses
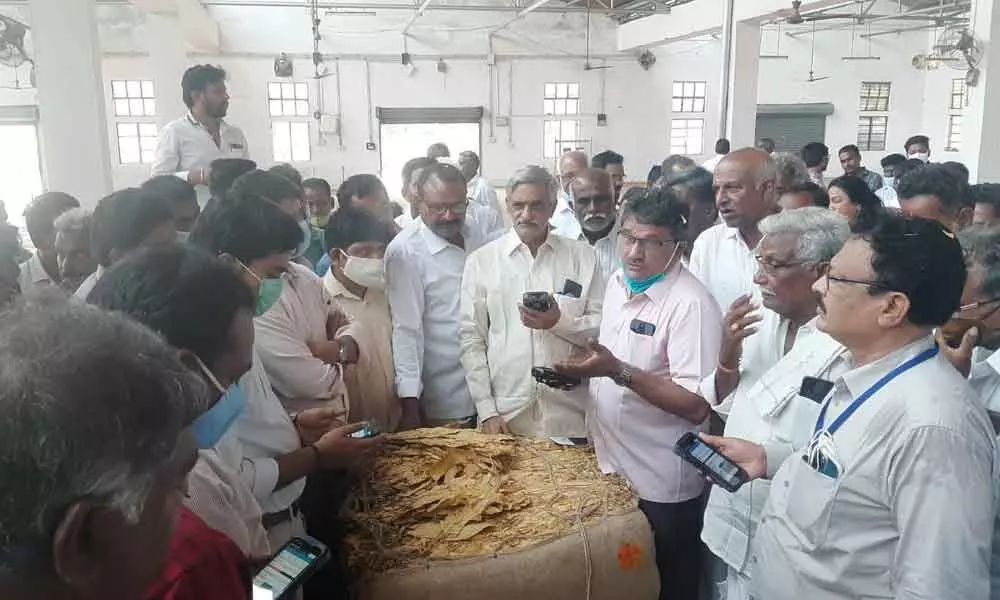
871, 284
773, 267
630, 241
459, 208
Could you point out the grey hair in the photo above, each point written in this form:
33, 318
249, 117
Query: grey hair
533, 175
981, 246
74, 220
791, 169
768, 171
822, 232
91, 406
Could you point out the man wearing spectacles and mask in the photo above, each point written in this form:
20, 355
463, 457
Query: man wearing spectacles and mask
424, 265
894, 495
502, 339
660, 335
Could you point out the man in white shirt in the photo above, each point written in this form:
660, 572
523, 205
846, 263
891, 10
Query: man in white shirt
424, 265
479, 189
564, 221
74, 249
594, 207
723, 255
124, 222
356, 241
887, 193
722, 148
895, 495
279, 449
765, 353
39, 218
502, 339
660, 336
186, 147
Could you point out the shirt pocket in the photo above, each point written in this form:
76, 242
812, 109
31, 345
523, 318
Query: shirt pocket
571, 307
811, 496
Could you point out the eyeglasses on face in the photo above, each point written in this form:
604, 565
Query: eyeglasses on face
772, 267
628, 240
966, 308
458, 208
848, 280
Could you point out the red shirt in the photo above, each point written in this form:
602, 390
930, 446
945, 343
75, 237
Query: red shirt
203, 565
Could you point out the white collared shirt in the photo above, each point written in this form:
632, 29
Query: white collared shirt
767, 409
722, 261
371, 389
564, 221
910, 511
283, 332
32, 274
713, 162
266, 432
424, 282
887, 194
88, 284
631, 436
482, 193
184, 144
498, 351
984, 377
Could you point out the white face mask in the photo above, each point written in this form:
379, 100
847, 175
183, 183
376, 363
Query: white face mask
366, 272
921, 156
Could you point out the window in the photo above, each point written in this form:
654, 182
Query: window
136, 143
288, 99
955, 112
687, 136
134, 103
872, 127
560, 134
689, 97
288, 105
871, 132
875, 96
132, 98
291, 141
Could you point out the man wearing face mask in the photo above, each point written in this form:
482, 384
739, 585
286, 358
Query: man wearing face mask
280, 448
918, 147
594, 207
356, 241
502, 339
286, 194
660, 336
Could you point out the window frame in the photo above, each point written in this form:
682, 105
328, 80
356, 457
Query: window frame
560, 105
289, 108
874, 103
688, 139
136, 128
689, 97
958, 98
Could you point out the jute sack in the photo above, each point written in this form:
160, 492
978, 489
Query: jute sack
609, 560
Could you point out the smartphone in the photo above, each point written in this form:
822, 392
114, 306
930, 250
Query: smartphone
724, 472
370, 430
292, 565
547, 376
537, 301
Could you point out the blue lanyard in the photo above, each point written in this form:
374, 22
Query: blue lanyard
878, 385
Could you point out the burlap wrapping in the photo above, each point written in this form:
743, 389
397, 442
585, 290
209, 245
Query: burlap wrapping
452, 514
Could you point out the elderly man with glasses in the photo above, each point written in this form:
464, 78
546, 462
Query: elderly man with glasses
895, 494
765, 353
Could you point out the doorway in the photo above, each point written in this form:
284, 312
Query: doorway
20, 170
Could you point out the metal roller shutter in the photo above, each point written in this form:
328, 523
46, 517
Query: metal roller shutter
792, 126
451, 114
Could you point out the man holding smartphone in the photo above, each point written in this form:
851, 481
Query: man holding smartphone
659, 337
895, 495
528, 299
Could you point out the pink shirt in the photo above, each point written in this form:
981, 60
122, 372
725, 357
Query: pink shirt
631, 436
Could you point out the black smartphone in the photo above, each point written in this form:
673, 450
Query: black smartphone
724, 472
547, 376
537, 301
370, 430
293, 564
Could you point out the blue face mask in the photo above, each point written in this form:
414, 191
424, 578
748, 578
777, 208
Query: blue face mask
306, 238
212, 424
638, 286
888, 181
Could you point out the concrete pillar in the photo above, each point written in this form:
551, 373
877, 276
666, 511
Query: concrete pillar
981, 122
73, 134
742, 113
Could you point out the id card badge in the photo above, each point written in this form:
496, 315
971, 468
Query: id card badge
642, 327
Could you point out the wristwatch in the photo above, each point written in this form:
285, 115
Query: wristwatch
624, 377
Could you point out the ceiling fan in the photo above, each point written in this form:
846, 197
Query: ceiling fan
812, 58
797, 18
586, 65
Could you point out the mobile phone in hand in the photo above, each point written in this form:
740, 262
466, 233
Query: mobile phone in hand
710, 462
291, 566
537, 301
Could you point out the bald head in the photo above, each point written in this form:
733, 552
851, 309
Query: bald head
745, 187
570, 164
594, 202
590, 181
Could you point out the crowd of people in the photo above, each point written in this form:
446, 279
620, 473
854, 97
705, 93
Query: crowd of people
182, 368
